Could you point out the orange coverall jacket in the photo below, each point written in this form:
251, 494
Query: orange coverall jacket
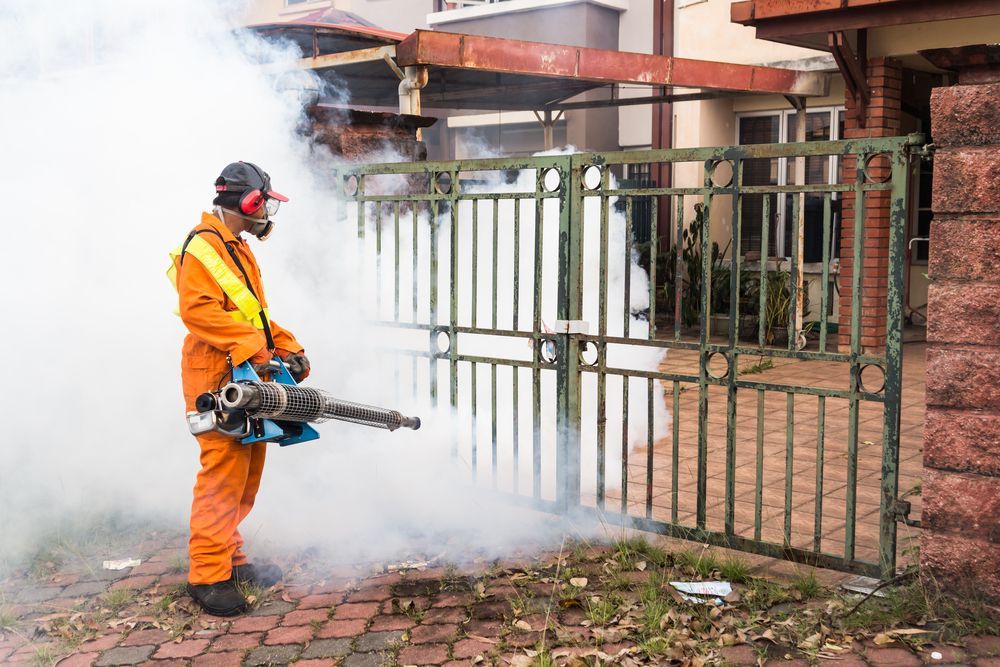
230, 472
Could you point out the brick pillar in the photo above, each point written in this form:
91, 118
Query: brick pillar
960, 545
881, 120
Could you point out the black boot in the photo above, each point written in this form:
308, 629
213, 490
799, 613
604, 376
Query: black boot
264, 575
219, 599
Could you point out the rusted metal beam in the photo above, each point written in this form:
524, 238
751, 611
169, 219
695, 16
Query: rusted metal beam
492, 54
783, 19
348, 57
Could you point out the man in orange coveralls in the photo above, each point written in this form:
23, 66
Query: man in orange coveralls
223, 306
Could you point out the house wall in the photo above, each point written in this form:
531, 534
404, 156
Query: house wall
635, 34
904, 41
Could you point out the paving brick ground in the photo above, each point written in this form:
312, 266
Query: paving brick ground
491, 613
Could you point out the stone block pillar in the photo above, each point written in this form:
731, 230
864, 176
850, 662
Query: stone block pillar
882, 119
960, 545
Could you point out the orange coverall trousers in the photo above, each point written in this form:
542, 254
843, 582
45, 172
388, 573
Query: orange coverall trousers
230, 474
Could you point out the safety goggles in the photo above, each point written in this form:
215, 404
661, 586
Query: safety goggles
272, 206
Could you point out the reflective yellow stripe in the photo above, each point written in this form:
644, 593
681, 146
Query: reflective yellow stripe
255, 320
231, 284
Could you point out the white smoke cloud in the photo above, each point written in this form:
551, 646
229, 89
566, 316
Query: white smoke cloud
117, 117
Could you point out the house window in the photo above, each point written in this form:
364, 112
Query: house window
780, 126
289, 3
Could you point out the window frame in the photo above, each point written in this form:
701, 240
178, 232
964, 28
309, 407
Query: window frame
833, 168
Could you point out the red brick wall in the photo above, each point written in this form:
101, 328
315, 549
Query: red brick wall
960, 544
882, 119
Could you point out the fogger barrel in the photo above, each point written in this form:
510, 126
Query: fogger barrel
271, 400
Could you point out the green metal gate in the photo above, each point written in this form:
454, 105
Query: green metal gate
516, 284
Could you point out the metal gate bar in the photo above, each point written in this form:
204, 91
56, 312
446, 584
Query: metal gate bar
449, 197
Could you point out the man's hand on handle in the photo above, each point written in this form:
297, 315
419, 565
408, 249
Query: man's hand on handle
297, 363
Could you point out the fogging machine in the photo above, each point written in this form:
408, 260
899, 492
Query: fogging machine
280, 410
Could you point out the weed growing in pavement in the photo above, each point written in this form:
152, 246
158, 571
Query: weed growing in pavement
412, 611
702, 563
177, 565
764, 364
450, 574
8, 621
118, 599
762, 594
653, 588
579, 550
44, 657
600, 610
629, 550
654, 646
618, 581
45, 562
652, 613
807, 585
252, 592
162, 605
734, 569
543, 659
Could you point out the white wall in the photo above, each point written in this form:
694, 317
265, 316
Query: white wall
399, 15
635, 33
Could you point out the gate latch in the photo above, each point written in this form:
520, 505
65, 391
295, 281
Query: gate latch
901, 510
924, 151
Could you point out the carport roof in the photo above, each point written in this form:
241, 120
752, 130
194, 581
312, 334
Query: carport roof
479, 72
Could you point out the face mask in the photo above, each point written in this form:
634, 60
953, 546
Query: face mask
262, 227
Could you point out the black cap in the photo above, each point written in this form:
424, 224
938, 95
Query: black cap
240, 177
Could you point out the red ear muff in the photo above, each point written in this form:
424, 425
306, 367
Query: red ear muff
251, 202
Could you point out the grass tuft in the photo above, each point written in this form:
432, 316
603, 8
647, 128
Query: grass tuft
600, 611
764, 364
652, 612
177, 565
8, 621
807, 585
654, 646
44, 656
632, 549
762, 595
118, 599
703, 563
734, 569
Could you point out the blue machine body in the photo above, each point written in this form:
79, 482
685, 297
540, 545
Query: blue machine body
268, 430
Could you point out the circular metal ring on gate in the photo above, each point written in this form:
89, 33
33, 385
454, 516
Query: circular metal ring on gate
713, 367
591, 177
550, 180
440, 341
546, 350
877, 168
589, 353
875, 377
351, 185
720, 172
443, 183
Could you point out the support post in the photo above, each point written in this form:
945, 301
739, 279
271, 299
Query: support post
548, 127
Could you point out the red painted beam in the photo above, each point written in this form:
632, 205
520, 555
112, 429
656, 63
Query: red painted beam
508, 56
778, 18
